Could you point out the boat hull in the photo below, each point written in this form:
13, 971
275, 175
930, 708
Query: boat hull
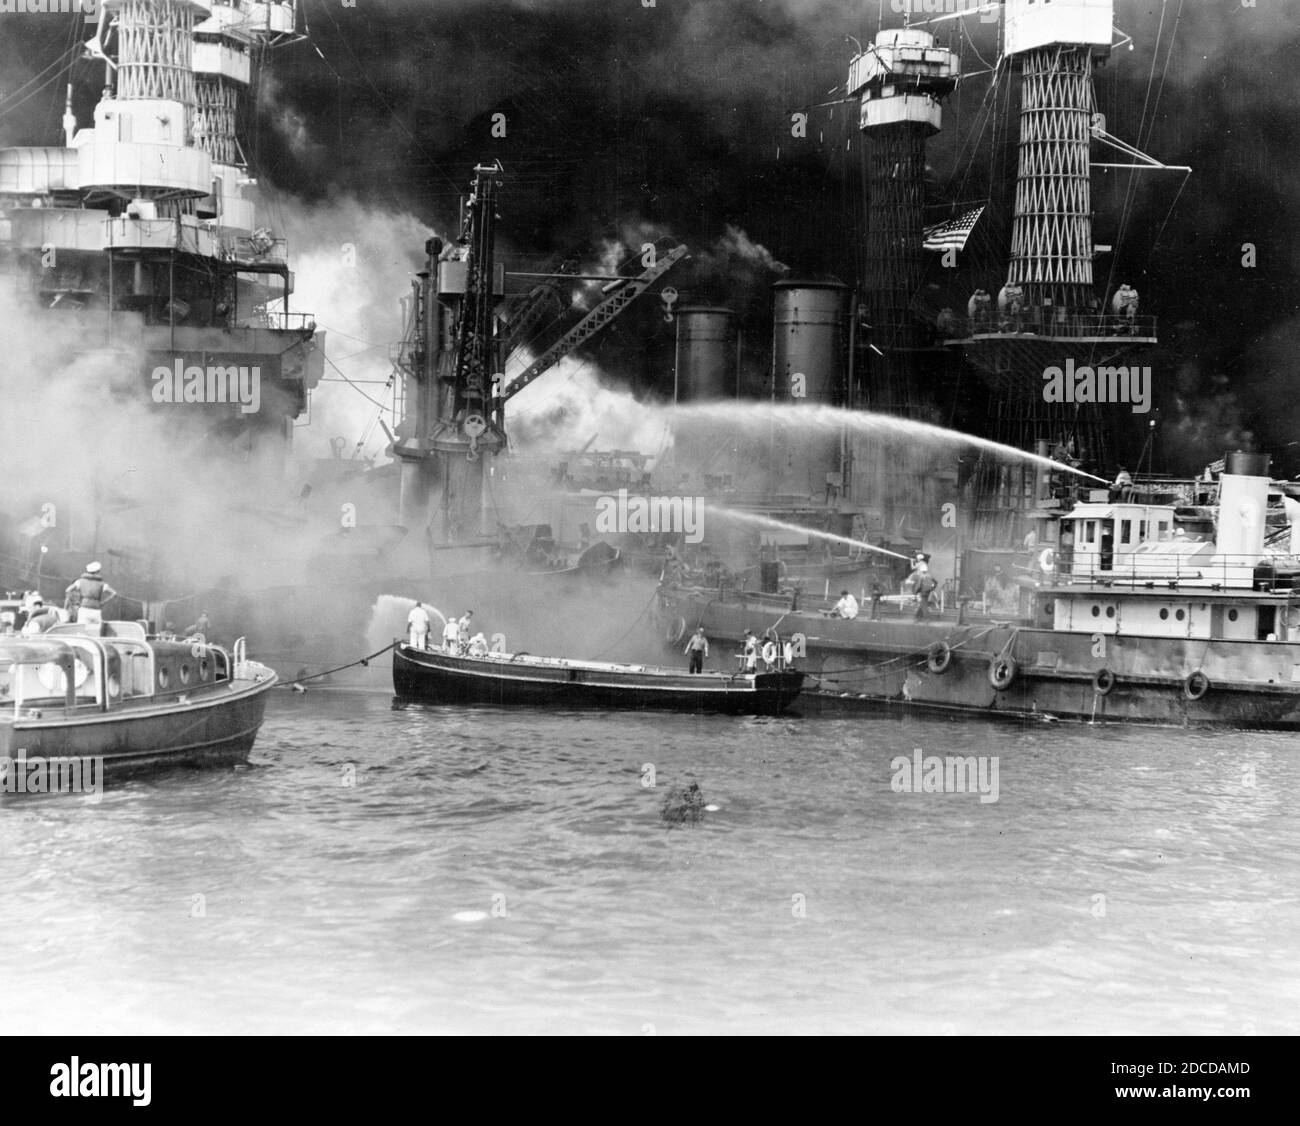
441, 678
892, 665
216, 731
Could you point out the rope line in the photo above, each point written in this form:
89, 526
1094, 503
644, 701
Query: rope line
351, 664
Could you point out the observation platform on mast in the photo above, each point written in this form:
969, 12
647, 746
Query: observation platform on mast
1013, 356
1083, 329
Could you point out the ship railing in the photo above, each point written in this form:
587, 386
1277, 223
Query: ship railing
1242, 572
1053, 325
285, 322
401, 353
258, 247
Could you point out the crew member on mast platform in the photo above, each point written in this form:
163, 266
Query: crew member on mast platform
1125, 304
417, 626
94, 593
1011, 300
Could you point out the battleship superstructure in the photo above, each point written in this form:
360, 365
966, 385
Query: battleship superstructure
140, 235
137, 249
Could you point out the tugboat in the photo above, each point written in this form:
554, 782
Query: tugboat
108, 696
1130, 620
521, 678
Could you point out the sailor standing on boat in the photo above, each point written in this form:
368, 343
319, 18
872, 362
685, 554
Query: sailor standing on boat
462, 633
750, 652
94, 592
697, 645
417, 626
451, 636
923, 583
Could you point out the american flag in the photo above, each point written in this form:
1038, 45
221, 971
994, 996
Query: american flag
952, 234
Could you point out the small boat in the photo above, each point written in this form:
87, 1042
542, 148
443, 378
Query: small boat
108, 700
521, 678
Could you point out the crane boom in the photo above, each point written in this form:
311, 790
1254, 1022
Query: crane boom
594, 321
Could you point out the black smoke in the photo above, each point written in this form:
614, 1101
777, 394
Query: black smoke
678, 117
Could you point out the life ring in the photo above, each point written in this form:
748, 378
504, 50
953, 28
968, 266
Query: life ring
769, 652
1103, 683
1047, 560
675, 630
1196, 685
938, 657
1002, 672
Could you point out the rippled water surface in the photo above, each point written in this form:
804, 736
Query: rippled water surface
509, 871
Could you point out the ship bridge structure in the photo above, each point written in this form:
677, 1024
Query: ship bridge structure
143, 229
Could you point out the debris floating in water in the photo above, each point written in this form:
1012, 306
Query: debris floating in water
470, 916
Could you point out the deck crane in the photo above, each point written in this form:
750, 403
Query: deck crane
618, 300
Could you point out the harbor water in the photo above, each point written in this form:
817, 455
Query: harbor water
400, 868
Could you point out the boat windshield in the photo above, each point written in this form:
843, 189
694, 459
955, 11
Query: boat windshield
35, 675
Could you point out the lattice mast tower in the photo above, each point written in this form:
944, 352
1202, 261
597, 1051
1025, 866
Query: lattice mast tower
223, 46
1055, 43
901, 80
144, 125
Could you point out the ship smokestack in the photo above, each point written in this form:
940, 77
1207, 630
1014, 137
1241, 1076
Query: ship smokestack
706, 354
810, 368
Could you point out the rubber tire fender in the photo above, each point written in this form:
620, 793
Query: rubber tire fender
1002, 672
938, 657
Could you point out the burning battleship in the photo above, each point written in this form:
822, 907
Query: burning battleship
1156, 600
140, 271
829, 471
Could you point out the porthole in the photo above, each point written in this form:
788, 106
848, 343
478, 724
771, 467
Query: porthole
1164, 615
164, 678
203, 669
185, 673
1180, 614
1110, 611
1096, 611
1232, 615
